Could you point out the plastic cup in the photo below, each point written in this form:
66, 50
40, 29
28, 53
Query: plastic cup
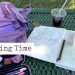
58, 17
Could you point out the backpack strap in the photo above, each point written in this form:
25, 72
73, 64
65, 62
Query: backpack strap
14, 12
5, 18
16, 15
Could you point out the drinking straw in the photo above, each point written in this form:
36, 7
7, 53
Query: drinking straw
62, 7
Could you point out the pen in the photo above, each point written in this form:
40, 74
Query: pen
61, 50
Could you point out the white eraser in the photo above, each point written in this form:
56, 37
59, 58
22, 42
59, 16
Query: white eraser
22, 69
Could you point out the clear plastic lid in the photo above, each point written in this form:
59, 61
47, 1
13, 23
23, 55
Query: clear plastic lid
55, 12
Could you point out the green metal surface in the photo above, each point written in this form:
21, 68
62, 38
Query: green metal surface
43, 16
69, 20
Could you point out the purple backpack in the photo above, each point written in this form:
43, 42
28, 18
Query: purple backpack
13, 24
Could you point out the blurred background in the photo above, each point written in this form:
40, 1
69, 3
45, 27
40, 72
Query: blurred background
43, 3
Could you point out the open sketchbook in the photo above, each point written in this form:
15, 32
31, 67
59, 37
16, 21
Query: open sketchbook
68, 55
48, 42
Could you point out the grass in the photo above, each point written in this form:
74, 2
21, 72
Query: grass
43, 3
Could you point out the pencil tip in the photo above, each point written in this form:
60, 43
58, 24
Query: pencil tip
57, 59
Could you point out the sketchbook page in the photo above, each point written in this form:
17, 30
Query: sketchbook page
68, 55
47, 42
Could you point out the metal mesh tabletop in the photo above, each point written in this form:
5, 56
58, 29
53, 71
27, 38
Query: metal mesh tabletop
43, 17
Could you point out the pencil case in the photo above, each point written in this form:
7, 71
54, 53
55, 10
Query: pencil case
14, 68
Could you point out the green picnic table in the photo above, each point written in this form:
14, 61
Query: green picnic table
42, 16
